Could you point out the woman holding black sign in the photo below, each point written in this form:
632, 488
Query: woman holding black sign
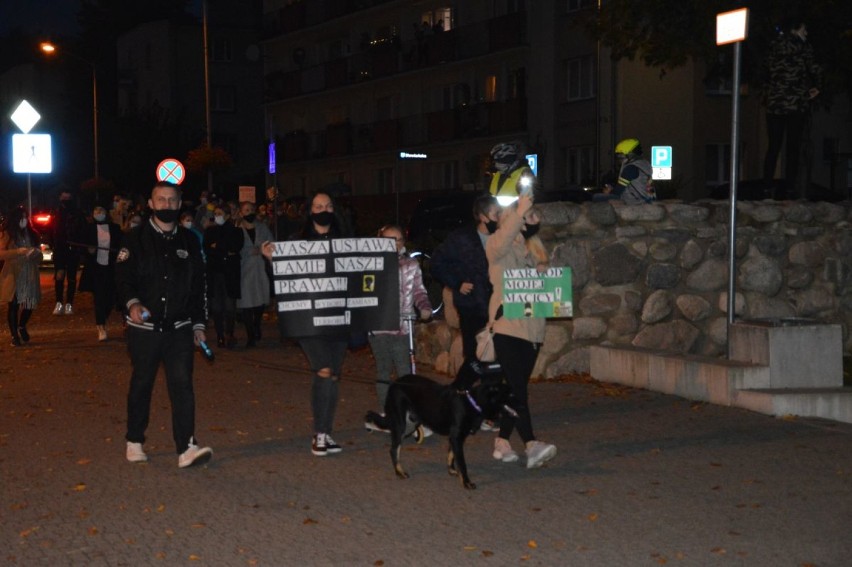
516, 341
324, 353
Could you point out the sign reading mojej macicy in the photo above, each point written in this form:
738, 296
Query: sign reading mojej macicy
527, 293
336, 287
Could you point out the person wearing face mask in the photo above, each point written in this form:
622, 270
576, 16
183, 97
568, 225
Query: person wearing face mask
188, 222
102, 238
515, 245
222, 244
161, 283
390, 348
255, 288
134, 221
460, 264
67, 228
324, 353
19, 277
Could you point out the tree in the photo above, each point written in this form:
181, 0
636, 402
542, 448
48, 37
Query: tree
669, 33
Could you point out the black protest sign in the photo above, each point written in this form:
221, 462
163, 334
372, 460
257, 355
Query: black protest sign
334, 287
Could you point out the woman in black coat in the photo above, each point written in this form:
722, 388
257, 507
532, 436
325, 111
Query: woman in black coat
222, 244
102, 239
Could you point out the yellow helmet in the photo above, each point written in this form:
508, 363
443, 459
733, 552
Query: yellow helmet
628, 146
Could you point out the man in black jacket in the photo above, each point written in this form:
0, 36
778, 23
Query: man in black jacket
161, 282
460, 264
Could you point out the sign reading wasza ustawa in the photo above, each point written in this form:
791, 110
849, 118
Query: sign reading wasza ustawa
337, 286
527, 293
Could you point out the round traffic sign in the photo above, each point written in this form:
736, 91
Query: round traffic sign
171, 170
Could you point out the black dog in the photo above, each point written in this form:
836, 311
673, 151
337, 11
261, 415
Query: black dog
445, 410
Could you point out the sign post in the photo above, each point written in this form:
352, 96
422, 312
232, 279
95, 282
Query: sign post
732, 27
31, 153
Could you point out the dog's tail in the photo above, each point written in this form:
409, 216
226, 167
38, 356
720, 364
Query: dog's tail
378, 421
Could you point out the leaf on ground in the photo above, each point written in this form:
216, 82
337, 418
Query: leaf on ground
84, 461
79, 487
532, 544
194, 557
93, 530
19, 506
170, 532
592, 517
199, 525
309, 521
161, 508
719, 550
486, 553
28, 532
790, 417
469, 548
378, 563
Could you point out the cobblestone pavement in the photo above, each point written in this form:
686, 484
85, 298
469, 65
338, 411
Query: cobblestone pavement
640, 479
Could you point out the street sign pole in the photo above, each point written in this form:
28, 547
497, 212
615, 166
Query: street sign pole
732, 27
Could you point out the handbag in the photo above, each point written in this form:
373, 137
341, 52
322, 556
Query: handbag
485, 345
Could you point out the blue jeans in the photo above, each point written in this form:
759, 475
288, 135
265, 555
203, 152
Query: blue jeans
174, 349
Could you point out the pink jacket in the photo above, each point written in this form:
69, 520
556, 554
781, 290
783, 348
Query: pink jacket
412, 294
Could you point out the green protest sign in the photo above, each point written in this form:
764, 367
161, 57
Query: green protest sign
527, 293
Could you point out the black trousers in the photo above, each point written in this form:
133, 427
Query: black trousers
471, 321
174, 350
778, 127
517, 358
103, 290
65, 266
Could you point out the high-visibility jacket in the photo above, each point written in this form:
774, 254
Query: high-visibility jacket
503, 185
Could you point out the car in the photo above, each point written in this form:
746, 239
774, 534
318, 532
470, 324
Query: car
43, 223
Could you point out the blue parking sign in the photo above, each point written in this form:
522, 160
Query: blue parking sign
661, 156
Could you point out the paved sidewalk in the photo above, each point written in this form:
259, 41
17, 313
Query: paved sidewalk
640, 478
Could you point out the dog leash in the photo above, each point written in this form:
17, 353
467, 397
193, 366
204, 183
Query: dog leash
471, 400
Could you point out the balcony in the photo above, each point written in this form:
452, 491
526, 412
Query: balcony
464, 122
388, 57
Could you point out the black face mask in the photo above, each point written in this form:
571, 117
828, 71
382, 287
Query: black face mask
167, 216
249, 218
491, 226
322, 219
530, 230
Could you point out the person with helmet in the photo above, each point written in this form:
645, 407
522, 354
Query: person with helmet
634, 177
512, 174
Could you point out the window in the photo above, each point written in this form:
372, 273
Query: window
574, 5
580, 165
445, 175
580, 78
489, 93
384, 181
717, 159
223, 98
221, 50
441, 19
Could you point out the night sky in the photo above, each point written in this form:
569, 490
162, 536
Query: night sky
34, 16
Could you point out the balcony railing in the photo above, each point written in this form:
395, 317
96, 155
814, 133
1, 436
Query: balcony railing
464, 122
385, 58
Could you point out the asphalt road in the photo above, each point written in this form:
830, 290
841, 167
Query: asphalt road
640, 479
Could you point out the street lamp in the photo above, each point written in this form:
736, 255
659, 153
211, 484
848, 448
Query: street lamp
51, 49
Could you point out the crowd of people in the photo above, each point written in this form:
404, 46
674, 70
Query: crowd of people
170, 269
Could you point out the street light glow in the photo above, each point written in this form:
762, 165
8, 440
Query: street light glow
47, 47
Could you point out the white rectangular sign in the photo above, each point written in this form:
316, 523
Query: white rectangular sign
661, 173
31, 153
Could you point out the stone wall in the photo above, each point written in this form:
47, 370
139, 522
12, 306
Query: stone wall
656, 276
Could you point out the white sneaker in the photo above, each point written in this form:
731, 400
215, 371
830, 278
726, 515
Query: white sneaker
488, 425
102, 334
539, 453
194, 455
503, 451
69, 310
135, 454
58, 309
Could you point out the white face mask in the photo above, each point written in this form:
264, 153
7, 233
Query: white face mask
219, 219
187, 224
134, 224
22, 223
100, 218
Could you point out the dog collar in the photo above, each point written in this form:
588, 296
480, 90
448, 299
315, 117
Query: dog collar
472, 401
